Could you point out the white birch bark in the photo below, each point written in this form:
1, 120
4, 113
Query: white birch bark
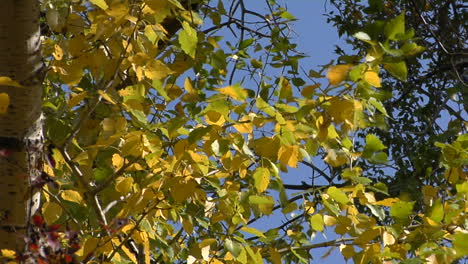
21, 126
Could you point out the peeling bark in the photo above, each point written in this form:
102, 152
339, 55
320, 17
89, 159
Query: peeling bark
21, 127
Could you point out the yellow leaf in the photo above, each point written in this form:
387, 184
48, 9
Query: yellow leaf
206, 242
72, 196
8, 253
236, 92
157, 70
289, 155
275, 256
189, 87
106, 96
332, 134
347, 251
245, 125
267, 147
262, 179
58, 52
51, 212
117, 161
372, 78
367, 236
124, 185
7, 81
118, 10
308, 90
387, 202
336, 158
101, 3
75, 99
338, 73
4, 102
388, 238
329, 220
214, 118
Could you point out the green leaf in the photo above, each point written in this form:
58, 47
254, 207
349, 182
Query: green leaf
459, 243
377, 104
376, 211
188, 39
338, 195
373, 144
245, 43
437, 211
397, 70
257, 199
395, 26
233, 246
401, 209
287, 15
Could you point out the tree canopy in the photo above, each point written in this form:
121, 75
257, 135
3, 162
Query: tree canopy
171, 127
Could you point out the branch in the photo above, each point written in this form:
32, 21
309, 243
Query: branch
329, 243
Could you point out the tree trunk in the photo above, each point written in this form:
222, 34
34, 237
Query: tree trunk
21, 126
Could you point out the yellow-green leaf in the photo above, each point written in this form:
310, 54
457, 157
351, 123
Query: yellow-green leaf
7, 81
72, 196
4, 103
188, 39
338, 73
262, 179
124, 185
234, 91
316, 222
253, 231
101, 3
51, 212
338, 195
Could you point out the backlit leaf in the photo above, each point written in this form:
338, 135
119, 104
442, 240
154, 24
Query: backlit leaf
316, 222
188, 39
338, 195
401, 209
395, 26
253, 231
397, 70
261, 178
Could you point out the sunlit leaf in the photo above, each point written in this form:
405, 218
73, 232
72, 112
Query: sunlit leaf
337, 74
72, 196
